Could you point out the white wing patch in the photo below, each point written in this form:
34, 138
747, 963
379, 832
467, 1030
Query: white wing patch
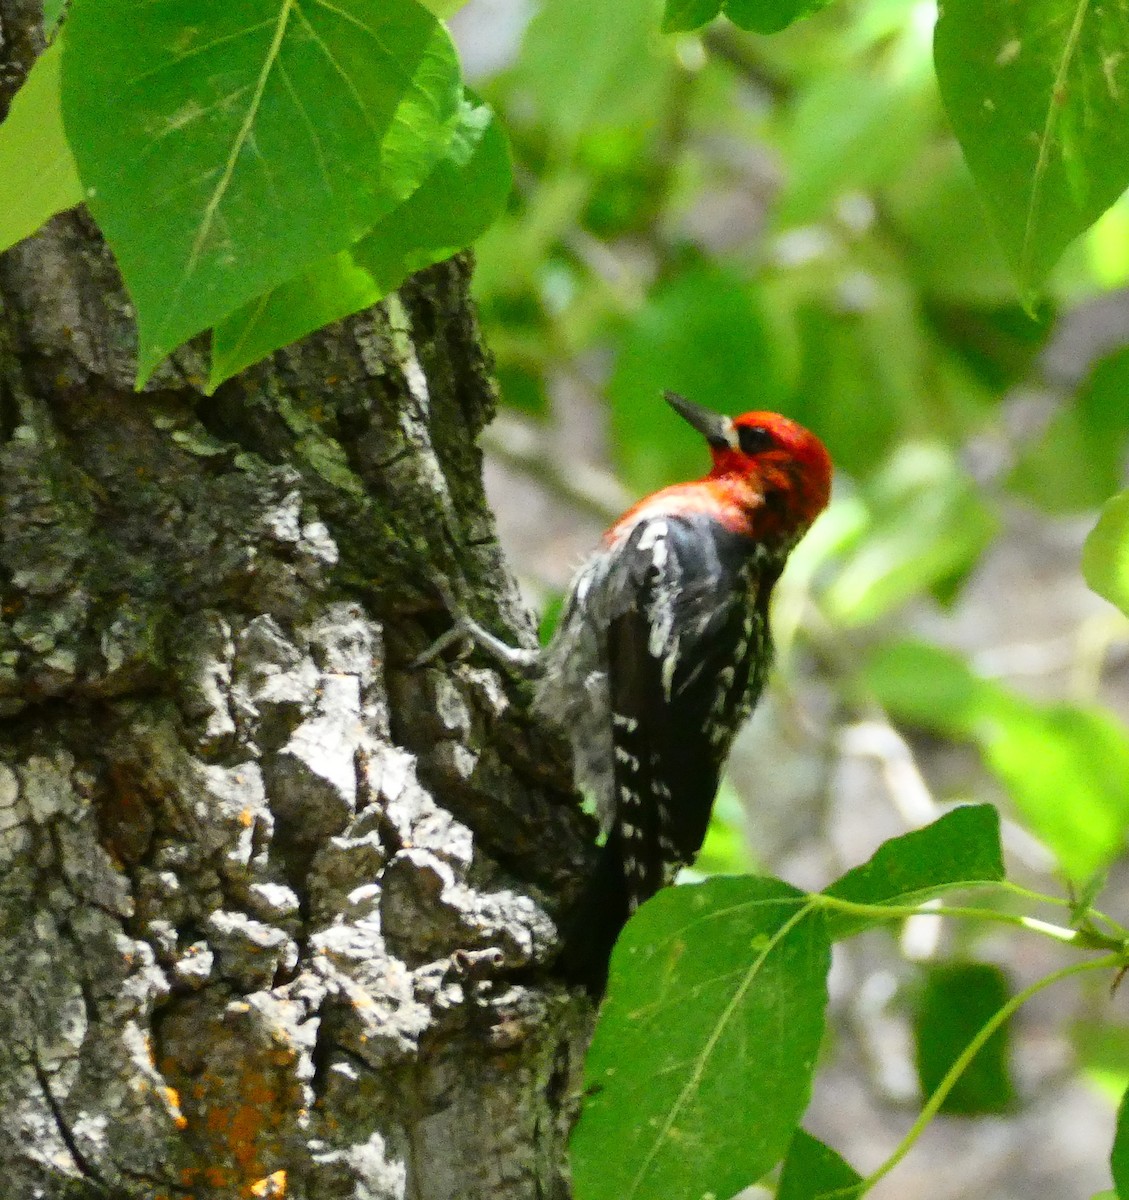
662, 641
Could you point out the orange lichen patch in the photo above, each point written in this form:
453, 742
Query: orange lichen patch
247, 818
273, 1185
240, 1104
218, 1177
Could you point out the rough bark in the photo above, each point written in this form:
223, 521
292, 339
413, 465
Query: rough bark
276, 910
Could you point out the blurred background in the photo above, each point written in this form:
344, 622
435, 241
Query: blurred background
787, 223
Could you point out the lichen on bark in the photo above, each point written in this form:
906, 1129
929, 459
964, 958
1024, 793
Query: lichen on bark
276, 908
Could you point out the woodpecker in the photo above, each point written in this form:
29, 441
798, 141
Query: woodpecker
661, 653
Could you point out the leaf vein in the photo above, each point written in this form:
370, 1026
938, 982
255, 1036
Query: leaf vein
220, 190
1042, 163
715, 1036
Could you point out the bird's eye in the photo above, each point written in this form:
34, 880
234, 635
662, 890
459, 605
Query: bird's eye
754, 438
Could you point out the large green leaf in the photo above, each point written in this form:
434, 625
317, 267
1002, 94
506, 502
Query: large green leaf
957, 850
37, 172
701, 1064
226, 148
1038, 94
1105, 557
457, 201
957, 999
813, 1171
1065, 766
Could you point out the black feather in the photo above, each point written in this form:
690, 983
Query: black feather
687, 652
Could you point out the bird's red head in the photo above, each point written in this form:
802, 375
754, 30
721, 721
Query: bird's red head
774, 470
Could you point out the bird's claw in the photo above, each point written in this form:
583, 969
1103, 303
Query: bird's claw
465, 629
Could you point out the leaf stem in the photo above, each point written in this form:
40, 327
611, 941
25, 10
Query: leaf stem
1087, 939
933, 1104
1061, 902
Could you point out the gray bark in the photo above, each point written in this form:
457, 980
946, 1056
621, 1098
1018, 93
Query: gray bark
276, 910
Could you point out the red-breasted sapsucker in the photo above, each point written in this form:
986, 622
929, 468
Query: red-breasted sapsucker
662, 651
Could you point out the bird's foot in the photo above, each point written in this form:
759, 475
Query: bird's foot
465, 629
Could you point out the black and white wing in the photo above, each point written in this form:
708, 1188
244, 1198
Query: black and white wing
687, 651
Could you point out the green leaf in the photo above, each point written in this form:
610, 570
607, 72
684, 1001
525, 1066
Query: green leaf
1067, 770
1065, 766
960, 849
726, 848
37, 173
952, 250
683, 15
618, 79
851, 130
1038, 94
1119, 1155
813, 1171
1105, 556
458, 200
1078, 462
770, 16
928, 523
703, 335
225, 149
702, 1059
958, 999
1101, 1050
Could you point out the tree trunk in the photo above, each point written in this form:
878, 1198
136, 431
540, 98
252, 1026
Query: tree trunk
276, 909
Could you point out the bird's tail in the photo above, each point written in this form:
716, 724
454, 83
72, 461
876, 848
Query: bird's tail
591, 930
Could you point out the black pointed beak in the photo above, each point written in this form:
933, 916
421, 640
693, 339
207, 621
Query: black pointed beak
715, 428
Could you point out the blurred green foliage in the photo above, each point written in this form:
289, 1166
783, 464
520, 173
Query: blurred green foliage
788, 222
956, 999
1066, 766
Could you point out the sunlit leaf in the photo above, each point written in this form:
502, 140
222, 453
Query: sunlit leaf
226, 149
1038, 94
1119, 1156
957, 1000
957, 850
953, 252
1065, 766
715, 1007
1105, 557
456, 202
1101, 1049
927, 523
1079, 461
813, 1171
37, 172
